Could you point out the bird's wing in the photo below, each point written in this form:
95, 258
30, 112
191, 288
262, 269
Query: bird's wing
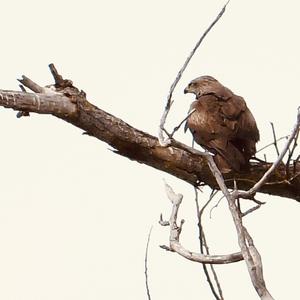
248, 127
233, 107
239, 119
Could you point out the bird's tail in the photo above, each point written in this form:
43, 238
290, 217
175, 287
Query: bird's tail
227, 157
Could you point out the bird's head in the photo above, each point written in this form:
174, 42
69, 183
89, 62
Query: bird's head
203, 85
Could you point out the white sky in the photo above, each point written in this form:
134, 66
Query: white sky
74, 217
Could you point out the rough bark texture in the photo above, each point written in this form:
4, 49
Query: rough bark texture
176, 159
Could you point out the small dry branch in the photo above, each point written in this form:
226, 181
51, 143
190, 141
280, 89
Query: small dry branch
248, 249
251, 192
175, 231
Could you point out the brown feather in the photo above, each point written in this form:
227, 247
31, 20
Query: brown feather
222, 123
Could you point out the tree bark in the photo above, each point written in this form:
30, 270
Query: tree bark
69, 104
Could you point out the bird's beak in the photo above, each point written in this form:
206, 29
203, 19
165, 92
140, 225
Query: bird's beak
186, 90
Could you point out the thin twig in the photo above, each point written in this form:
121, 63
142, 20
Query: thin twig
146, 265
203, 243
262, 181
201, 238
265, 157
180, 124
274, 137
295, 164
215, 206
249, 211
263, 161
162, 140
287, 165
22, 87
277, 140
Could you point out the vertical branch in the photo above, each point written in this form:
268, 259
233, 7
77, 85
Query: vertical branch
295, 144
275, 139
213, 193
203, 243
250, 253
146, 265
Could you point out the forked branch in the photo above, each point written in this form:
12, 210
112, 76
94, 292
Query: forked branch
248, 249
266, 176
175, 231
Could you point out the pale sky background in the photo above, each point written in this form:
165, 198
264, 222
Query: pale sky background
74, 217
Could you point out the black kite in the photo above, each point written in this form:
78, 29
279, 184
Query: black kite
222, 124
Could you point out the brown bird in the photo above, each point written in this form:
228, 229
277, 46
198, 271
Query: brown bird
222, 124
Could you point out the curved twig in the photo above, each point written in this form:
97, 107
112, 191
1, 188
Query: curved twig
175, 230
203, 244
162, 140
146, 265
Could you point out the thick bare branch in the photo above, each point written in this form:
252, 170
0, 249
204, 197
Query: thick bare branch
177, 159
55, 104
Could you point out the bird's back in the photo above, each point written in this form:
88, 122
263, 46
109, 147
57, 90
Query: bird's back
226, 127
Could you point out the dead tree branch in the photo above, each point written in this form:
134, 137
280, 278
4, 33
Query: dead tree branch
248, 249
291, 153
203, 244
251, 210
175, 231
275, 139
25, 81
146, 265
69, 104
55, 104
